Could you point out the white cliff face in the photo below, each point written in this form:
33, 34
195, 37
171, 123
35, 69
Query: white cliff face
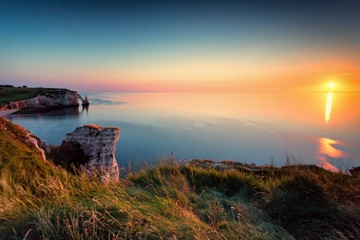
99, 144
55, 98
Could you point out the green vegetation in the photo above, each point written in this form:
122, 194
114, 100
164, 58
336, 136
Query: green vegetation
9, 93
39, 200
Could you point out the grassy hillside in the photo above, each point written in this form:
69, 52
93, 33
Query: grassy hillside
10, 94
171, 201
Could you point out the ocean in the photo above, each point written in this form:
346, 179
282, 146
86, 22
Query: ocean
263, 128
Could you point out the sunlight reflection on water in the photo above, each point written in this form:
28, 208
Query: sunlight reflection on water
249, 127
328, 109
326, 151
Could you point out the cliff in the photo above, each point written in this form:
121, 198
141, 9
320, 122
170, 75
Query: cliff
19, 139
50, 98
89, 147
99, 144
200, 200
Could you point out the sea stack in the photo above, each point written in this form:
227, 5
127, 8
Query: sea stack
99, 144
86, 101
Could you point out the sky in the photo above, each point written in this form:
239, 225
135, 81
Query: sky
181, 45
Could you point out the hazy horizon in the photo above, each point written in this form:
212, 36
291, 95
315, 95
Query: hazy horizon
245, 90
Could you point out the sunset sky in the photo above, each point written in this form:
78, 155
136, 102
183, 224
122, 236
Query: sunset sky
181, 46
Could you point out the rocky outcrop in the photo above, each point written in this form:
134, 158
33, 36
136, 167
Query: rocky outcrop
85, 102
53, 98
355, 171
99, 144
41, 144
34, 141
230, 166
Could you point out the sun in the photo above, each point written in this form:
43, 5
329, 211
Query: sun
331, 85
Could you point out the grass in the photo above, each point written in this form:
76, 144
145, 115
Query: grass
39, 200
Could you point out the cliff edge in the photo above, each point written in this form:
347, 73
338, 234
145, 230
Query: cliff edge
89, 148
16, 138
54, 98
99, 144
19, 98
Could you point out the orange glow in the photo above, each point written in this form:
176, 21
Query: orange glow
221, 73
326, 148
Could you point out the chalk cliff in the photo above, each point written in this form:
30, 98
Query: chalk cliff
54, 98
99, 144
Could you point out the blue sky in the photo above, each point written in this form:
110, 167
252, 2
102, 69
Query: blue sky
179, 45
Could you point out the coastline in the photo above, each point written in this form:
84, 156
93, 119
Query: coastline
268, 199
4, 113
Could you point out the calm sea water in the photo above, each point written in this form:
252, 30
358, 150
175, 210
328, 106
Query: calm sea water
260, 128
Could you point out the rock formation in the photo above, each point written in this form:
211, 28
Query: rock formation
355, 171
99, 144
85, 102
34, 141
225, 165
54, 98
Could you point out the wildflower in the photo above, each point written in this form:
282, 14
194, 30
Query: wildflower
238, 216
232, 208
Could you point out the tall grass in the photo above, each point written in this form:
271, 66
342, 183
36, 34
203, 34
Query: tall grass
39, 200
